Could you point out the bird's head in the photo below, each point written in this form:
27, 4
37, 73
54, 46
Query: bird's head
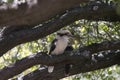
64, 34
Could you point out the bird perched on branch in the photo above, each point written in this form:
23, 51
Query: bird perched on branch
58, 46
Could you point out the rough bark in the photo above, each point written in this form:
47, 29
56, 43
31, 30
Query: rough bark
16, 37
23, 17
80, 55
42, 11
98, 62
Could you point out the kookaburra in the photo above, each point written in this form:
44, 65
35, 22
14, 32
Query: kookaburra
59, 44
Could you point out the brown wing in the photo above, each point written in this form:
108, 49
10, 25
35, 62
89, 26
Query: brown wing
52, 46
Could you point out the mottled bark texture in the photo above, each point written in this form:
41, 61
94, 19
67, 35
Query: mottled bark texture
53, 16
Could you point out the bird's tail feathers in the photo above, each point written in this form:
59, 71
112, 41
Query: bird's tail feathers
50, 69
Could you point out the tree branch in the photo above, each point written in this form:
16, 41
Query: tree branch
16, 37
92, 11
80, 55
42, 11
106, 59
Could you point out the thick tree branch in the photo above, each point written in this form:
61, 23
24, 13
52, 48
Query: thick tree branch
92, 11
106, 59
80, 55
23, 17
21, 36
42, 11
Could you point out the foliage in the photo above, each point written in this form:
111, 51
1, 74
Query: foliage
86, 32
92, 32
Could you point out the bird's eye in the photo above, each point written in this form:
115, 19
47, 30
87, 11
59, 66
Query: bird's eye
60, 34
66, 34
